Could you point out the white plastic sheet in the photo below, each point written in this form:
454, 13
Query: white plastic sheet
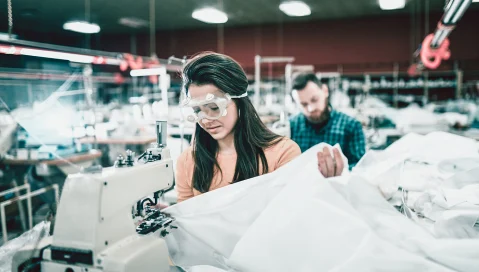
295, 220
30, 237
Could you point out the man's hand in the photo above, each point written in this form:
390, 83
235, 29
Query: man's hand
329, 166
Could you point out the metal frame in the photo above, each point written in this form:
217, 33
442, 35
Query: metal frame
258, 60
28, 196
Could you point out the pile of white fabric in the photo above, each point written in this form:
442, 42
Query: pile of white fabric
295, 220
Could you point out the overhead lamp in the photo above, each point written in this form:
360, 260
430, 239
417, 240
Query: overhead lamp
392, 4
475, 1
34, 52
148, 72
295, 8
82, 27
56, 55
210, 16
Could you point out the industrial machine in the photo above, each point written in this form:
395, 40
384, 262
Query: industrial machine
102, 222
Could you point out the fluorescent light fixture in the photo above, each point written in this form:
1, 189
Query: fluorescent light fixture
82, 27
392, 4
34, 52
56, 55
210, 16
295, 8
475, 1
148, 72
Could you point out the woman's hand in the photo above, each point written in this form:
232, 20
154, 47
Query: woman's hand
329, 166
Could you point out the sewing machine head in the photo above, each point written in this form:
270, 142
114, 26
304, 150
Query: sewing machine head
95, 226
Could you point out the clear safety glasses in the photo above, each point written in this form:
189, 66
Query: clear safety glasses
210, 107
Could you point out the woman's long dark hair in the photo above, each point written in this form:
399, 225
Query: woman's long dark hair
251, 136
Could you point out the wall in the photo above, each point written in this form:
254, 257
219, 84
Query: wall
362, 44
357, 44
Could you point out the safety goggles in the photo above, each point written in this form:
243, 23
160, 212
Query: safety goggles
210, 107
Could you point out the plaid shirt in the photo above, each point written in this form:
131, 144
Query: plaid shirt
341, 129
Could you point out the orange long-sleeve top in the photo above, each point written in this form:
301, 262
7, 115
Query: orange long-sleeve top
277, 155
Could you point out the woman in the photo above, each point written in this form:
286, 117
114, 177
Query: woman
231, 143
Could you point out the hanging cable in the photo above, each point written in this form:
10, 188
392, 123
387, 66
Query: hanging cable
418, 21
152, 29
87, 11
87, 19
280, 34
10, 19
426, 17
220, 31
411, 33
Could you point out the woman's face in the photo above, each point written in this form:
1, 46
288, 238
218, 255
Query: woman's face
219, 128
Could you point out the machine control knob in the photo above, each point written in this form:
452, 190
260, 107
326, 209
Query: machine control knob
130, 158
120, 161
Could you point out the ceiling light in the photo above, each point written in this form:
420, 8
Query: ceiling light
56, 55
475, 0
34, 52
210, 16
148, 72
295, 8
82, 27
391, 4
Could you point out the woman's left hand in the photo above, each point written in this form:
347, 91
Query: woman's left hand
328, 165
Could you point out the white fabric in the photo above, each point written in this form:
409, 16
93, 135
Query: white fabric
211, 224
294, 220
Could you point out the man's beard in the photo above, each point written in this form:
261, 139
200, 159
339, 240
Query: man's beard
321, 119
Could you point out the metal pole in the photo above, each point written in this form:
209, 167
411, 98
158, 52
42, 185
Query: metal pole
29, 204
133, 44
161, 133
426, 19
426, 88
396, 75
87, 18
21, 209
56, 188
15, 189
30, 94
288, 72
152, 29
257, 80
276, 59
4, 223
164, 85
29, 210
459, 75
454, 11
6, 192
10, 18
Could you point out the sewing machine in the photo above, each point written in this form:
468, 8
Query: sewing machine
94, 227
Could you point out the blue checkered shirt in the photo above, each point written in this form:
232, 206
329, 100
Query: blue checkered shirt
341, 129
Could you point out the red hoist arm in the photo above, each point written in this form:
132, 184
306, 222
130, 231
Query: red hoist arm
435, 46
